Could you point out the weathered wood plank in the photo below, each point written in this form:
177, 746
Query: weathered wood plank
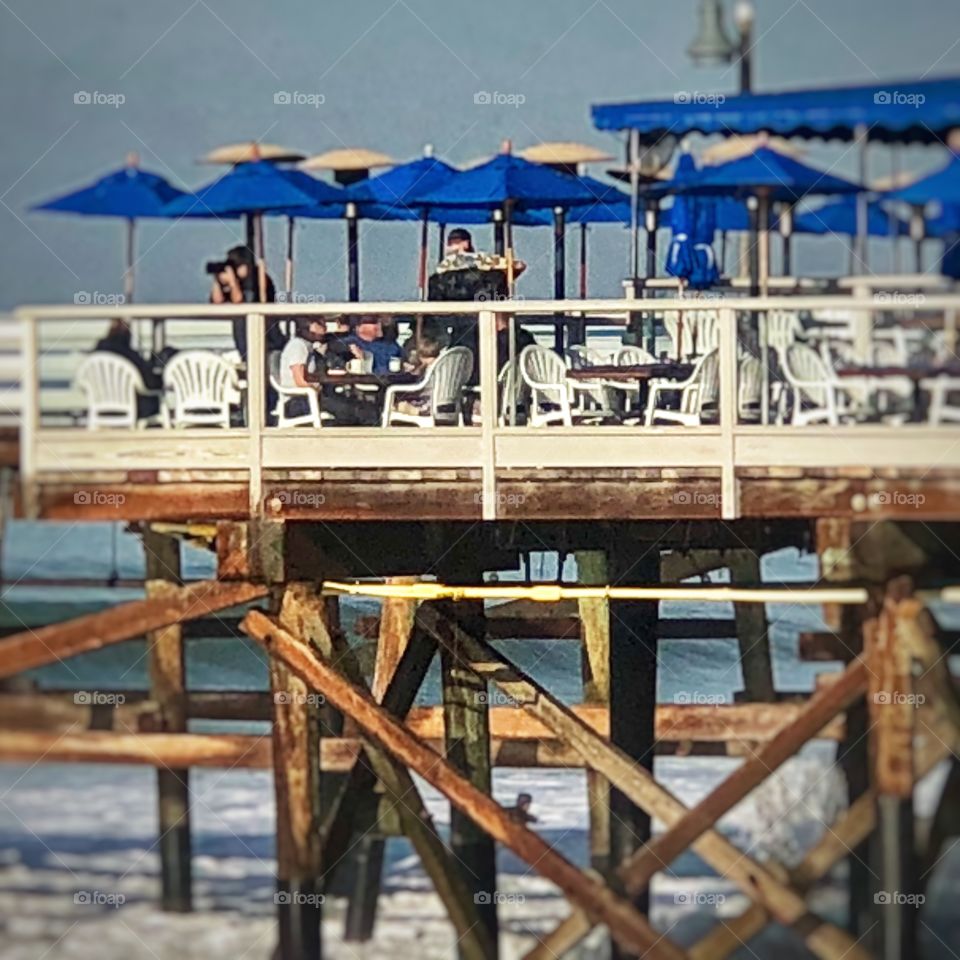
42, 645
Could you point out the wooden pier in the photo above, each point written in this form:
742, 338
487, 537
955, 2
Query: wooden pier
296, 517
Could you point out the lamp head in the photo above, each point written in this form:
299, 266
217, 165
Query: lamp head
711, 46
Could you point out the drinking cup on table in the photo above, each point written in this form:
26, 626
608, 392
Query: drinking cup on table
395, 364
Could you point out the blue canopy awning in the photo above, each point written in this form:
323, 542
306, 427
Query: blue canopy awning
894, 112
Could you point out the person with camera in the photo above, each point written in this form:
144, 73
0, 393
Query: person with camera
235, 281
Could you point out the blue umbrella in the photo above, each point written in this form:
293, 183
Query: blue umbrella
388, 197
255, 188
508, 180
840, 216
129, 193
942, 186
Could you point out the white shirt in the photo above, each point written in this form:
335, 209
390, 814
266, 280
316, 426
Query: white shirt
294, 353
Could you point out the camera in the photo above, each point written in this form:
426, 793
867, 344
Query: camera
216, 267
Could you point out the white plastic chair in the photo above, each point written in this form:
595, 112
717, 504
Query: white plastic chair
699, 391
111, 384
445, 379
203, 386
546, 376
818, 395
749, 389
514, 395
311, 418
944, 399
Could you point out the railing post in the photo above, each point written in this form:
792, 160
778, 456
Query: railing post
256, 405
487, 341
29, 413
730, 494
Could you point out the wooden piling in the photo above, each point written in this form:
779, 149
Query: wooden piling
167, 669
753, 632
633, 699
296, 771
892, 708
466, 711
396, 625
595, 667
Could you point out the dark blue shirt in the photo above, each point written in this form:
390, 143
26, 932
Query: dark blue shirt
382, 350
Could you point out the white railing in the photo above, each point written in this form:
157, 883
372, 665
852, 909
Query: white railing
51, 451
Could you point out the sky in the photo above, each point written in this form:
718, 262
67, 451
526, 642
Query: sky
172, 80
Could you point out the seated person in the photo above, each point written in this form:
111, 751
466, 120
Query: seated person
426, 355
367, 338
235, 280
294, 361
118, 341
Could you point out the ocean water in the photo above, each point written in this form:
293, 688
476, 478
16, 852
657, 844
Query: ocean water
72, 830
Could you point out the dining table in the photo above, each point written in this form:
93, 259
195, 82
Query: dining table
915, 374
640, 375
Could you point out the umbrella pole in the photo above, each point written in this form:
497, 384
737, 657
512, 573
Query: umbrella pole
261, 258
353, 254
917, 230
763, 215
422, 266
251, 231
723, 252
559, 273
583, 261
128, 272
499, 243
288, 271
860, 138
651, 216
786, 231
893, 221
442, 234
753, 251
633, 151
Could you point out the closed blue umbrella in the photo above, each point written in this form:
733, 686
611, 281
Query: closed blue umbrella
129, 193
690, 255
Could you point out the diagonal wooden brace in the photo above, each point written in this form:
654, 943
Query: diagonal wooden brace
601, 904
765, 884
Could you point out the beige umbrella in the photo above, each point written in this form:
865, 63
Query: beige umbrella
732, 148
564, 153
250, 150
